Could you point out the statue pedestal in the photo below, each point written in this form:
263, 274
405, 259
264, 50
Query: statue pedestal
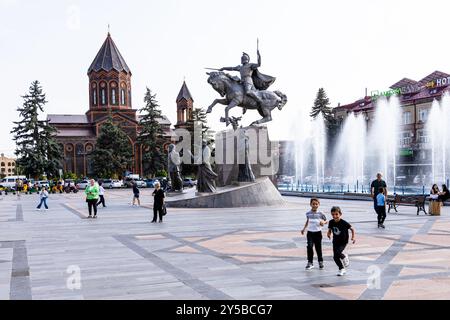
261, 193
230, 152
175, 193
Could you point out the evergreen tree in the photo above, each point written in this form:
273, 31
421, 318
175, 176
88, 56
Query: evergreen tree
199, 118
113, 153
151, 136
36, 148
322, 105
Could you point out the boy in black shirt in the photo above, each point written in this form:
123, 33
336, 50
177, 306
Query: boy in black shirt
339, 228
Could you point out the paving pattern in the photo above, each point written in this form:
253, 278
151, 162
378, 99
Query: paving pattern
251, 253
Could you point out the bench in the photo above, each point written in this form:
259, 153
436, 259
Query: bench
418, 201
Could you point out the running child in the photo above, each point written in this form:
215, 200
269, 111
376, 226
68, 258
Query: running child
339, 228
315, 220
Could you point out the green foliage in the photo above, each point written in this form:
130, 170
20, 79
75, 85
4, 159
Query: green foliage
162, 173
151, 136
36, 148
70, 175
113, 153
321, 105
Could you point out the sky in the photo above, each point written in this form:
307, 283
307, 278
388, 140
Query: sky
343, 46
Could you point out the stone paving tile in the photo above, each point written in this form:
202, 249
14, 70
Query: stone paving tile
251, 253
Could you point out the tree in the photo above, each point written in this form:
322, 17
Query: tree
322, 105
113, 153
199, 118
151, 136
36, 148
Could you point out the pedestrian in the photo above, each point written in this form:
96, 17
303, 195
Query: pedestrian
381, 208
101, 194
92, 198
434, 192
375, 189
445, 194
315, 220
339, 228
43, 195
158, 203
136, 195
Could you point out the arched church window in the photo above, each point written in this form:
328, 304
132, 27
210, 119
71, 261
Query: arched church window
123, 99
123, 93
103, 94
94, 94
114, 96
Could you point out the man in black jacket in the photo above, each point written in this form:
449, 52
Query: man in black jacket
375, 187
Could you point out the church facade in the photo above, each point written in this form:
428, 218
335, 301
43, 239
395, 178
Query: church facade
110, 94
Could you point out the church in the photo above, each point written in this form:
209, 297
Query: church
110, 94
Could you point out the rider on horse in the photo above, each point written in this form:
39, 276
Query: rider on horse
251, 79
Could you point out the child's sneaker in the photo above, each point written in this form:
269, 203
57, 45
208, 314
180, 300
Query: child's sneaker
346, 261
321, 265
341, 273
309, 266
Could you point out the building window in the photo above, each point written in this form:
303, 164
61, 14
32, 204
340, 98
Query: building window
123, 98
113, 96
9, 170
423, 115
422, 136
3, 164
103, 96
407, 118
405, 139
94, 97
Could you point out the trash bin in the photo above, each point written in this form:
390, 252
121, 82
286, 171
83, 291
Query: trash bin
435, 208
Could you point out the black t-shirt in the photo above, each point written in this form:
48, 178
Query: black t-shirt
377, 185
340, 231
159, 196
135, 189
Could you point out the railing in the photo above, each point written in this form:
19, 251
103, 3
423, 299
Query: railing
347, 188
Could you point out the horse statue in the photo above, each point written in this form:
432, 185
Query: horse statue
234, 95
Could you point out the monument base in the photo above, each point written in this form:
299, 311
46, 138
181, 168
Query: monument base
263, 154
261, 193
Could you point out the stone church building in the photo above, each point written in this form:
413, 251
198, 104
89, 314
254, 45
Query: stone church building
109, 95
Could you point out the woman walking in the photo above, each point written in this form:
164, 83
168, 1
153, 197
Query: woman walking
101, 194
92, 198
43, 196
136, 195
158, 203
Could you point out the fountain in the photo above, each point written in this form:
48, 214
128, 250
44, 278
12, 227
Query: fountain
439, 135
359, 154
310, 149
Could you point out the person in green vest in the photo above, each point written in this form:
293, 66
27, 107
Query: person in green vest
92, 191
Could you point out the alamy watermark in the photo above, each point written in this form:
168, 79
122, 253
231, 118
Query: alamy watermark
245, 145
74, 279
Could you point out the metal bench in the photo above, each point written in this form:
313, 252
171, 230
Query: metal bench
415, 200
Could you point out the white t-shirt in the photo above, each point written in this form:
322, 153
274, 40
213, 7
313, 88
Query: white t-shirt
101, 191
314, 221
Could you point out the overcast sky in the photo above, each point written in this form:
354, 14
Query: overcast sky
343, 46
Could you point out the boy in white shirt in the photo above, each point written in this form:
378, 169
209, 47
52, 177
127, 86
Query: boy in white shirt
315, 220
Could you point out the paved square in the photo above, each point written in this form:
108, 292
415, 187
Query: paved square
252, 253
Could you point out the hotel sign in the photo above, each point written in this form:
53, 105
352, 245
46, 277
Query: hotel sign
442, 82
